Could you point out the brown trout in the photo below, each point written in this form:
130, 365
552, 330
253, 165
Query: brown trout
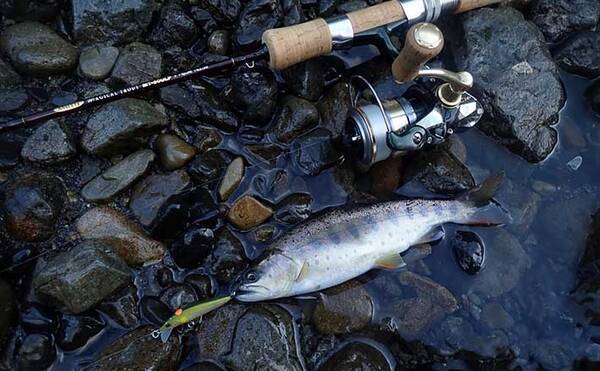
343, 244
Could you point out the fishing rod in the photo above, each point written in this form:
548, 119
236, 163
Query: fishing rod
287, 46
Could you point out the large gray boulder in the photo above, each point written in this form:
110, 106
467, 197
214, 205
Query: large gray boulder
515, 78
76, 280
121, 126
114, 22
35, 49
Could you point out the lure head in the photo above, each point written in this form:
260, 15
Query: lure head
272, 278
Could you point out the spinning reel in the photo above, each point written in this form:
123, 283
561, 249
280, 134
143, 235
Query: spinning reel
435, 106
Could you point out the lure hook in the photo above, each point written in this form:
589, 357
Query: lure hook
250, 64
155, 334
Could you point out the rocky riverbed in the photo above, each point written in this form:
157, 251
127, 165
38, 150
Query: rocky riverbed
113, 218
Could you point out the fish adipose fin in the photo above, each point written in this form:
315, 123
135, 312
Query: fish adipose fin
392, 261
485, 212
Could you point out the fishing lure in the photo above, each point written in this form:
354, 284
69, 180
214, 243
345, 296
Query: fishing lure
183, 316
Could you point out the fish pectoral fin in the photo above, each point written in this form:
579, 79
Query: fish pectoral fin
392, 261
433, 235
303, 272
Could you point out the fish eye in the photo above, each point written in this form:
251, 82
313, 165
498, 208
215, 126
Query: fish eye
251, 277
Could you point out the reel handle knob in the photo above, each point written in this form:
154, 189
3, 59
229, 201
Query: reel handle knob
424, 41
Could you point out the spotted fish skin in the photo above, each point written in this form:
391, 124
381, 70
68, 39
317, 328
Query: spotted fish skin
343, 244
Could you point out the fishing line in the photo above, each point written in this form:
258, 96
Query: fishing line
261, 162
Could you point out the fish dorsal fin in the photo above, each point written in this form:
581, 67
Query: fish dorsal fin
391, 261
303, 271
435, 234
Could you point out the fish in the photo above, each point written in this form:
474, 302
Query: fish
343, 244
183, 316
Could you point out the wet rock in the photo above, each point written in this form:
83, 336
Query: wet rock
35, 49
138, 351
294, 209
440, 171
247, 213
264, 233
553, 354
520, 90
386, 175
173, 151
581, 55
272, 184
151, 193
121, 126
357, 356
118, 177
7, 310
469, 251
164, 277
193, 207
224, 11
199, 102
154, 310
327, 7
313, 152
232, 178
11, 145
193, 247
293, 12
218, 42
96, 21
343, 309
306, 79
334, 108
504, 267
593, 96
210, 165
254, 93
96, 62
136, 64
77, 280
36, 318
126, 239
122, 307
176, 297
8, 76
75, 331
267, 153
227, 258
432, 303
201, 283
296, 116
494, 316
12, 99
36, 353
267, 325
48, 144
558, 18
32, 206
216, 331
256, 17
350, 6
174, 27
206, 138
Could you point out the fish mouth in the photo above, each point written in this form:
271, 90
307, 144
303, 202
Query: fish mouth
250, 292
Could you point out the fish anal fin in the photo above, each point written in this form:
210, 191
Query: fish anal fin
435, 234
303, 271
392, 261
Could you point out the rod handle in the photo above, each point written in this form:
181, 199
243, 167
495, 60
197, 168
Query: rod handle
294, 44
424, 41
466, 5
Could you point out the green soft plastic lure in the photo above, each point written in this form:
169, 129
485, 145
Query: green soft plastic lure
183, 316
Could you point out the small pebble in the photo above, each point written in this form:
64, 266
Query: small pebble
96, 62
218, 42
232, 178
469, 251
575, 163
248, 212
173, 151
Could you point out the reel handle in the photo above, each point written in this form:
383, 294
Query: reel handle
294, 44
424, 41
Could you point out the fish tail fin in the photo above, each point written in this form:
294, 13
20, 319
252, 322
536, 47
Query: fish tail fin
483, 210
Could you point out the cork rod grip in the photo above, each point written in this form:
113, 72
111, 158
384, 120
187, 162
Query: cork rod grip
294, 44
466, 5
424, 41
